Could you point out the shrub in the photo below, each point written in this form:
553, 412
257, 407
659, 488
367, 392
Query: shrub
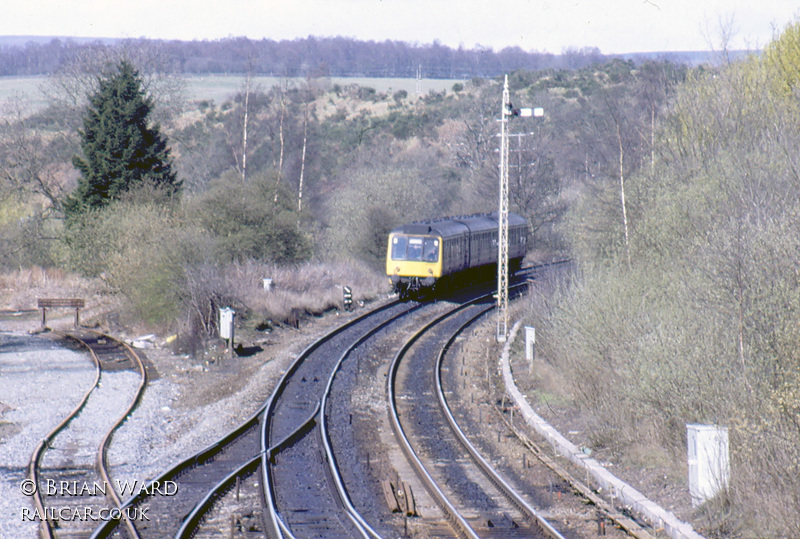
251, 219
136, 248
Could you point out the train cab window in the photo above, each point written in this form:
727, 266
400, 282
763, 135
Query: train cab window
399, 244
430, 250
415, 249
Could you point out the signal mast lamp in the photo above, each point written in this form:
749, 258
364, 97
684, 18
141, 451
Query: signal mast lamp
507, 112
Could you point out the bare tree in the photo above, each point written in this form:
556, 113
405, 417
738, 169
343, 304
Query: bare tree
478, 140
244, 127
68, 88
33, 162
534, 185
278, 164
302, 165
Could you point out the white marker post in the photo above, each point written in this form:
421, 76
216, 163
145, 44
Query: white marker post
226, 318
530, 345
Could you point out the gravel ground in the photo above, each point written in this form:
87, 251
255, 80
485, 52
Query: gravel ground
76, 446
187, 405
40, 383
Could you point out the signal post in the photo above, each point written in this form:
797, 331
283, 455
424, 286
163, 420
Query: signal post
507, 112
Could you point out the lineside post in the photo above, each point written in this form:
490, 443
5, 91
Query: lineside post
502, 218
507, 112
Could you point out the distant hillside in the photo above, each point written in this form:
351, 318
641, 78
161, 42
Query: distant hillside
691, 58
313, 57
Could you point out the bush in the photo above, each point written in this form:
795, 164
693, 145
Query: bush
700, 325
25, 240
136, 249
251, 219
391, 191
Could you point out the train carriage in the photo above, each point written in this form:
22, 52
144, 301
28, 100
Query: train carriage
420, 255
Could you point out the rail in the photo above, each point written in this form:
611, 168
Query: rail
102, 462
365, 529
33, 464
634, 501
102, 465
459, 523
510, 493
277, 527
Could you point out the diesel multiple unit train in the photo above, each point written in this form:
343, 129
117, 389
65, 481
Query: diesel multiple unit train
424, 254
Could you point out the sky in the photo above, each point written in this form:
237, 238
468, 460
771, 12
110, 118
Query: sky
613, 26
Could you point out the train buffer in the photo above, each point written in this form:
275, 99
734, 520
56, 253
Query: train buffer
62, 303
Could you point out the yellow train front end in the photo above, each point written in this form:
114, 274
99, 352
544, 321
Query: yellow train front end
413, 261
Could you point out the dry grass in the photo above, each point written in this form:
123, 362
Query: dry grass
20, 289
307, 289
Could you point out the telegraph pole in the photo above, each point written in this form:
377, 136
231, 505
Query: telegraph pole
502, 218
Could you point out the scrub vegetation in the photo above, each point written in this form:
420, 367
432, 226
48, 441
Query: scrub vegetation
675, 191
688, 316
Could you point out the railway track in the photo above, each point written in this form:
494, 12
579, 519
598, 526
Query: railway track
73, 488
173, 496
308, 433
238, 460
199, 482
495, 428
538, 524
305, 491
474, 500
292, 447
292, 417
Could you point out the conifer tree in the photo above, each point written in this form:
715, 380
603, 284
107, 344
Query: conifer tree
120, 151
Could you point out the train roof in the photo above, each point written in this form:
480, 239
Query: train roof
452, 226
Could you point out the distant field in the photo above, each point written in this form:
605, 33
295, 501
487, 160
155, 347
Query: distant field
220, 87
26, 87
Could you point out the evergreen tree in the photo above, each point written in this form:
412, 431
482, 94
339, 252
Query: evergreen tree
119, 150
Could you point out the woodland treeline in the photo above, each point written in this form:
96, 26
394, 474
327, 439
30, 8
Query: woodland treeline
674, 189
308, 57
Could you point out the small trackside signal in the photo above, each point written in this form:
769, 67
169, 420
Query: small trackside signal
347, 297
